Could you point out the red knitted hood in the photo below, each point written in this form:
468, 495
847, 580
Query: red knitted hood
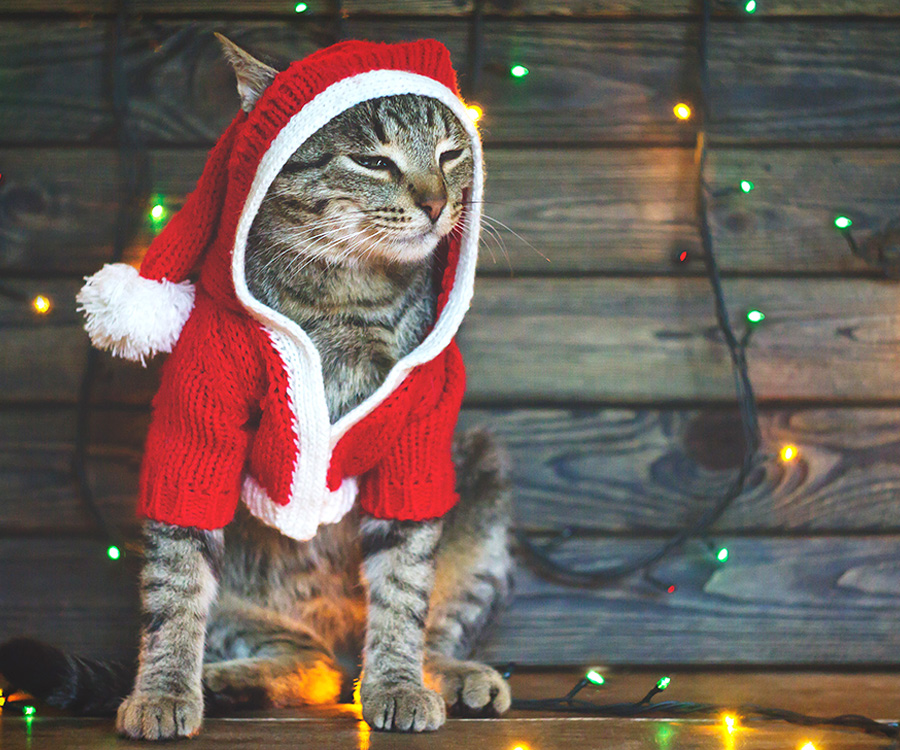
210, 232
137, 316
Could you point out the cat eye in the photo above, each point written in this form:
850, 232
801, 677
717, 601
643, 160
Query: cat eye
373, 162
450, 156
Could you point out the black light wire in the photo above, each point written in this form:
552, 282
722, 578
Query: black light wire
131, 171
539, 555
130, 164
645, 708
749, 420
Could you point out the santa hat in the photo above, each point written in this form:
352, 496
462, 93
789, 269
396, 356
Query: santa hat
135, 314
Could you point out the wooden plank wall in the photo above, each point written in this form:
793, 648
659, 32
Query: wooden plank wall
591, 353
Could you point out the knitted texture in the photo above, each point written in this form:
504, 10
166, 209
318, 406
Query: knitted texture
227, 411
241, 410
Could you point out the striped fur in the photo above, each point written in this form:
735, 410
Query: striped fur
345, 249
342, 244
178, 585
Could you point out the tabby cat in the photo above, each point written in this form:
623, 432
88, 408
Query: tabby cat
290, 619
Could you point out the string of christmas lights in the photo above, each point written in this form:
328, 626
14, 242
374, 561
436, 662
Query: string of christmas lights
540, 556
132, 167
730, 716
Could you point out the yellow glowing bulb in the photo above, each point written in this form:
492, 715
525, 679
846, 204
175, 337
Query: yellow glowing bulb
520, 747
41, 304
789, 453
730, 722
808, 746
475, 112
682, 111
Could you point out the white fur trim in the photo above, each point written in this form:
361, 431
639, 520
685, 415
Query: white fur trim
298, 519
131, 316
315, 436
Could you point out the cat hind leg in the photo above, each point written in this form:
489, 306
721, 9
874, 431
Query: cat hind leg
258, 658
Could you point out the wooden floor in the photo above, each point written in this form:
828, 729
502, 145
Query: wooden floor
339, 727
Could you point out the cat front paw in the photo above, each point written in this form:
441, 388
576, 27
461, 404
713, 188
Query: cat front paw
470, 688
402, 708
160, 716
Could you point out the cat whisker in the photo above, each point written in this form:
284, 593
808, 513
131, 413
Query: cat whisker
515, 234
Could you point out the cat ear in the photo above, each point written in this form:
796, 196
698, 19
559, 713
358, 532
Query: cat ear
253, 76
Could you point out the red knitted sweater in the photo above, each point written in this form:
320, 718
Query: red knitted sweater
241, 411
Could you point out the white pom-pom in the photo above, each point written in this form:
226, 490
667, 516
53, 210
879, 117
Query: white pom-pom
131, 316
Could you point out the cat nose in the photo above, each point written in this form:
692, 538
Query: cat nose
433, 207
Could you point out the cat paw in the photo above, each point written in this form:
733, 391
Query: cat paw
402, 708
159, 716
470, 688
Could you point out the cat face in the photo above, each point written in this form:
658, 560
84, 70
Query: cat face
384, 180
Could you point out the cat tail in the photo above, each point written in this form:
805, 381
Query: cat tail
87, 687
482, 475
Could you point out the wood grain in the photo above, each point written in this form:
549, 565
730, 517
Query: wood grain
612, 340
340, 728
774, 601
590, 82
626, 472
68, 592
592, 210
787, 601
575, 340
577, 9
613, 471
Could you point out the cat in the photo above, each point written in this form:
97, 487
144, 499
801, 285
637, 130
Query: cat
288, 619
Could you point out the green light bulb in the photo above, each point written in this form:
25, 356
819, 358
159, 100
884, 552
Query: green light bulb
157, 212
664, 734
518, 71
722, 554
301, 8
113, 552
663, 683
842, 222
594, 677
750, 7
747, 186
755, 316
29, 710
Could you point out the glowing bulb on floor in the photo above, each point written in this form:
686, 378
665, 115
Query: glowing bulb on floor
518, 71
28, 710
755, 316
722, 555
663, 683
41, 304
594, 677
789, 453
670, 589
750, 6
808, 746
843, 222
113, 552
746, 186
158, 212
682, 111
521, 747
475, 112
730, 723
